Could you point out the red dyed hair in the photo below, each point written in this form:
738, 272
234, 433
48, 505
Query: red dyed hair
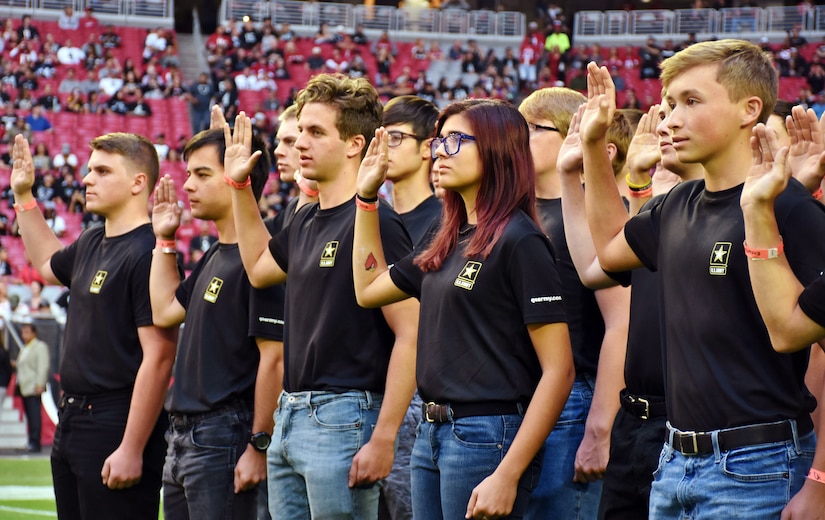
507, 180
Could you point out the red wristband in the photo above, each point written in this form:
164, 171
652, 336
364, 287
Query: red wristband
237, 185
816, 475
25, 206
817, 194
302, 185
647, 192
366, 204
160, 243
764, 254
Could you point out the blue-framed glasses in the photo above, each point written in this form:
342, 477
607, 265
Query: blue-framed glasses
452, 143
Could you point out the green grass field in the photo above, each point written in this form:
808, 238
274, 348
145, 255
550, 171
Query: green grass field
22, 478
30, 477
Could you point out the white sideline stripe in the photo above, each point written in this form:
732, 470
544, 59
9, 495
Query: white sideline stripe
26, 493
33, 512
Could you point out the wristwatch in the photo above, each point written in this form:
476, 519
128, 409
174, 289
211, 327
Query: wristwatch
260, 441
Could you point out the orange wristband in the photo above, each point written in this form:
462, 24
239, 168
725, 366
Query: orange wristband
366, 204
647, 192
764, 254
237, 185
160, 243
816, 475
25, 206
303, 186
817, 194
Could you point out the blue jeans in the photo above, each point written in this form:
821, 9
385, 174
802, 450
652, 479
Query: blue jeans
450, 459
556, 495
755, 482
199, 473
396, 487
316, 436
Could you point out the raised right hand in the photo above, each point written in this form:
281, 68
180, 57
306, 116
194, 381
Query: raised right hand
373, 168
166, 211
22, 174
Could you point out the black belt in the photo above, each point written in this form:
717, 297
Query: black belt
643, 406
441, 413
701, 443
87, 401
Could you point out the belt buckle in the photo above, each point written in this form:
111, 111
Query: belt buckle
427, 411
645, 402
693, 436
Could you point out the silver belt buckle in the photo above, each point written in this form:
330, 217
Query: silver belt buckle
646, 413
427, 411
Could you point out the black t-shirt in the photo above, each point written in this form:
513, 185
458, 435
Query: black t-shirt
721, 370
473, 344
423, 221
330, 342
644, 364
217, 357
583, 315
108, 280
812, 301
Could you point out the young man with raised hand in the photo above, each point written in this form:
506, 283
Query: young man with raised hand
576, 452
348, 371
108, 450
229, 364
739, 430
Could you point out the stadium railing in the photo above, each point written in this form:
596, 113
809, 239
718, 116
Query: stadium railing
143, 13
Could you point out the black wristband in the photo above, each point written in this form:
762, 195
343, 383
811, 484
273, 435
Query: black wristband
367, 200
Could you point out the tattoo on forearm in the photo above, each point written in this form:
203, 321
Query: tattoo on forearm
370, 264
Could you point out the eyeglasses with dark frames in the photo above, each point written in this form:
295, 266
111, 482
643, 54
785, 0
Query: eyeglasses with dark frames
533, 127
397, 137
452, 143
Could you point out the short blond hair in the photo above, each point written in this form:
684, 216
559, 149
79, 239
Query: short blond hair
556, 104
744, 70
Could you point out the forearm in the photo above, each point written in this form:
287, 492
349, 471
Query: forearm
606, 214
579, 241
398, 392
163, 284
609, 382
253, 239
268, 384
39, 240
148, 396
368, 261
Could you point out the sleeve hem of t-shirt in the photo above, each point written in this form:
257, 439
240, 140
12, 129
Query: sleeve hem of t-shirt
807, 302
636, 248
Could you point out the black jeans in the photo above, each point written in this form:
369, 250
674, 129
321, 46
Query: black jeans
33, 408
89, 430
635, 445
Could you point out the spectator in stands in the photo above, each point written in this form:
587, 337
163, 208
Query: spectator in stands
45, 189
383, 62
69, 82
20, 127
175, 89
68, 19
25, 99
250, 35
111, 85
26, 78
530, 54
357, 67
90, 220
336, 63
818, 105
41, 159
204, 239
556, 39
140, 107
154, 44
650, 54
90, 83
110, 39
816, 77
45, 66
37, 120
384, 42
160, 146
9, 117
9, 33
324, 35
93, 104
70, 55
56, 223
32, 367
49, 45
70, 191
794, 38
27, 31
315, 61
75, 102
88, 23
228, 98
23, 53
200, 97
48, 99
286, 34
65, 157
791, 63
94, 48
359, 37
5, 270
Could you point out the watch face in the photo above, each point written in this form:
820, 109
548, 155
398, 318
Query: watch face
261, 441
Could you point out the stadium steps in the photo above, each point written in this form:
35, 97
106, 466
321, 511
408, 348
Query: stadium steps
12, 425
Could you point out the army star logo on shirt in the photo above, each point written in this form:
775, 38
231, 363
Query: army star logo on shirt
719, 257
328, 254
467, 277
213, 289
97, 282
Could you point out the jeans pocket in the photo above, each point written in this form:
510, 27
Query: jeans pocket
757, 463
338, 414
665, 456
480, 431
217, 434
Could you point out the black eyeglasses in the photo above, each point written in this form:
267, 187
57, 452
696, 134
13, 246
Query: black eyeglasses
397, 137
533, 127
452, 143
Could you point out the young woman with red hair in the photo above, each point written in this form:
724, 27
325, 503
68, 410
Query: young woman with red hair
494, 364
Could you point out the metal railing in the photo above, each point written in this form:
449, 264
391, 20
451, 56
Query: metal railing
119, 12
735, 21
447, 22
